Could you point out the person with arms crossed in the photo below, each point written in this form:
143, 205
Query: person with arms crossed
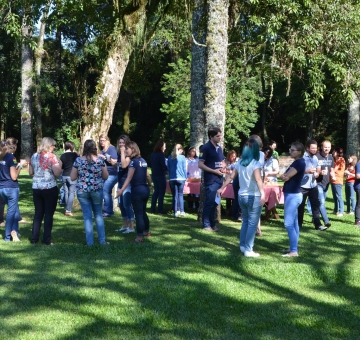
211, 161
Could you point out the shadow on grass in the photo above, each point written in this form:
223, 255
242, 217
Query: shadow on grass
183, 283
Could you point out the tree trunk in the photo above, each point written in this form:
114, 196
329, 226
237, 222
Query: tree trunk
216, 69
198, 52
352, 145
264, 111
26, 92
39, 54
100, 114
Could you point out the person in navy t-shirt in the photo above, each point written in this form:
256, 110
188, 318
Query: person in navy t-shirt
140, 181
211, 161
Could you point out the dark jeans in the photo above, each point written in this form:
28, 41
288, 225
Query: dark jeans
350, 197
139, 201
313, 195
45, 204
235, 205
357, 208
159, 193
208, 216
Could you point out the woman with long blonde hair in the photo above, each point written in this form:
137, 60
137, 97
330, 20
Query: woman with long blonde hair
177, 178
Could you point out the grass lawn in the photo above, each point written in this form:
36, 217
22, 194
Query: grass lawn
182, 283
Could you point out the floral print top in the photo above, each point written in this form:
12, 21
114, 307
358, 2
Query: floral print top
42, 164
89, 174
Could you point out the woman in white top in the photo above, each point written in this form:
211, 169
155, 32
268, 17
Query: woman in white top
193, 172
271, 166
251, 194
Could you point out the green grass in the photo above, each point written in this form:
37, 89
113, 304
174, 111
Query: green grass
182, 283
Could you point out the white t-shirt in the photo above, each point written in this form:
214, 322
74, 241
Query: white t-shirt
248, 185
193, 170
271, 165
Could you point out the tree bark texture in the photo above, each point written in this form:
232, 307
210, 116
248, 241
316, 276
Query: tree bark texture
198, 52
99, 118
26, 94
353, 127
39, 54
216, 63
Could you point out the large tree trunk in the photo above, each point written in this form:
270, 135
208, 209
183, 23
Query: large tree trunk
198, 52
216, 63
100, 114
39, 54
353, 127
26, 92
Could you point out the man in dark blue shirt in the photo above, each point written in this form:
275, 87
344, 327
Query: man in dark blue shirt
211, 162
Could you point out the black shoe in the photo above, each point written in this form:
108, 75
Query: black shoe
321, 228
328, 224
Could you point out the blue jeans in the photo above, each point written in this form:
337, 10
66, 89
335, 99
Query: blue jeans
322, 198
107, 190
291, 204
208, 215
126, 209
251, 211
177, 190
11, 197
158, 194
69, 192
139, 201
91, 202
338, 200
350, 197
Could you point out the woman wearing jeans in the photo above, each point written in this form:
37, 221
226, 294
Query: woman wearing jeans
293, 196
140, 181
45, 167
109, 155
9, 190
251, 194
349, 185
91, 171
338, 180
68, 159
177, 178
124, 200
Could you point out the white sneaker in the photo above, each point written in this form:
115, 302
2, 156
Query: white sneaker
128, 231
121, 229
251, 254
182, 214
340, 215
242, 249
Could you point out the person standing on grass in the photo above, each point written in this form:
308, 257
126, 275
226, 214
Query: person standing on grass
127, 212
349, 185
293, 196
158, 175
68, 159
44, 167
337, 181
9, 190
211, 161
177, 179
326, 162
251, 194
109, 155
140, 181
309, 185
91, 172
193, 174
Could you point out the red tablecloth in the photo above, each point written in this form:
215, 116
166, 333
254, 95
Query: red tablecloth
273, 193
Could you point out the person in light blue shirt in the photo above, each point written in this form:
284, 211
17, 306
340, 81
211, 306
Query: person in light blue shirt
177, 177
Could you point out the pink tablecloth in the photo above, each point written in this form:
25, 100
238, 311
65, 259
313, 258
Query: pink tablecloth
273, 193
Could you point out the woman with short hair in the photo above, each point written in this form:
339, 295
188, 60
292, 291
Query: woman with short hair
91, 172
338, 180
140, 181
68, 159
44, 167
109, 155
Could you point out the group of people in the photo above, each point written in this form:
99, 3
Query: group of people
94, 174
